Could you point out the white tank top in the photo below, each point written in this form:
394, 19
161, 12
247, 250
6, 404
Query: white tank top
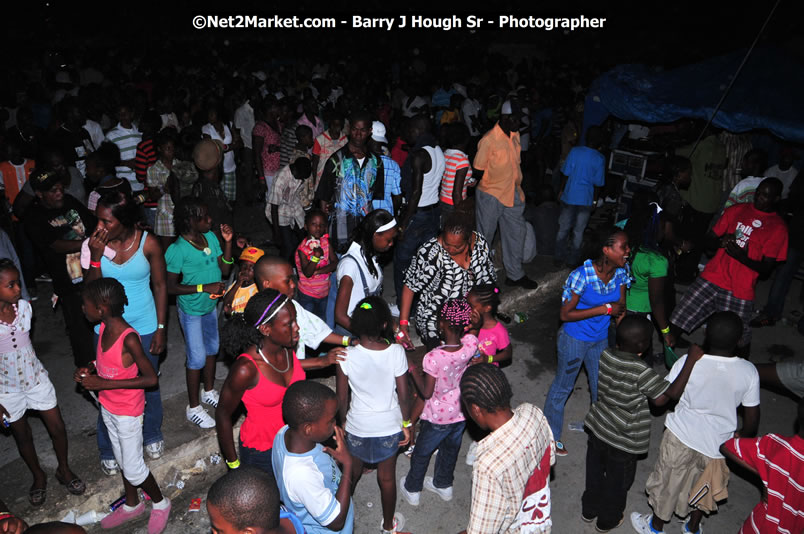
432, 179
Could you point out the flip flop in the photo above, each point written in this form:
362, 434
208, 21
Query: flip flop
37, 496
75, 486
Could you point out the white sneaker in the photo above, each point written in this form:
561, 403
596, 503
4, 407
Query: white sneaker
641, 523
399, 522
444, 493
412, 497
394, 310
686, 530
199, 416
155, 450
210, 397
110, 467
471, 454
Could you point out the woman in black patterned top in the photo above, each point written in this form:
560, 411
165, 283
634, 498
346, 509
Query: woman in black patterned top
445, 267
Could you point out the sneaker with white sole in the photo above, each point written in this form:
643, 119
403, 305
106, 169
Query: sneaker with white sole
200, 417
399, 522
471, 454
412, 497
155, 450
641, 523
110, 467
210, 397
685, 529
444, 493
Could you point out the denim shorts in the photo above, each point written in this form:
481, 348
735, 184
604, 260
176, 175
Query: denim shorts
373, 450
200, 337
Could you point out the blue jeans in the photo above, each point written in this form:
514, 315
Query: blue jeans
572, 218
572, 353
152, 419
200, 337
313, 305
373, 450
445, 438
781, 284
260, 459
422, 227
490, 213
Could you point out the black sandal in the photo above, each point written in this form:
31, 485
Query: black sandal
75, 486
37, 496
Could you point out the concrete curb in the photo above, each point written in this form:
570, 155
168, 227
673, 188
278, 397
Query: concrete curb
179, 461
520, 300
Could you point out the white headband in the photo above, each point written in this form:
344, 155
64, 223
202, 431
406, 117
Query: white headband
386, 226
271, 316
658, 207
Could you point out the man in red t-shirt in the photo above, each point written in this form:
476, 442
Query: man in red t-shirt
750, 238
779, 462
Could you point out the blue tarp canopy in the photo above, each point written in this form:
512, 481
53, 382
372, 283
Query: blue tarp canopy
768, 94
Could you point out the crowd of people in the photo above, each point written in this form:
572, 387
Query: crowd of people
125, 217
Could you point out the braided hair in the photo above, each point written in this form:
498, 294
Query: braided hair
242, 331
487, 295
485, 386
109, 292
372, 318
457, 313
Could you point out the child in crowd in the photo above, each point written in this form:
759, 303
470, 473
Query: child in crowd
511, 477
246, 501
195, 265
239, 293
442, 419
705, 417
494, 345
285, 208
309, 481
619, 422
779, 462
262, 341
123, 372
164, 187
25, 386
315, 260
378, 418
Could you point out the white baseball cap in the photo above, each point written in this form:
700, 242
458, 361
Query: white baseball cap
378, 132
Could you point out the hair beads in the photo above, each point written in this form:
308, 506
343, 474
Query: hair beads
457, 313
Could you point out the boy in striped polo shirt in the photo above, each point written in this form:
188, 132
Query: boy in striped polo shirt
619, 422
126, 136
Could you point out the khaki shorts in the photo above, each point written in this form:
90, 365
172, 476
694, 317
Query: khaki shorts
677, 469
791, 374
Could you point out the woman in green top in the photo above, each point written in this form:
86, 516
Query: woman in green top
195, 266
648, 263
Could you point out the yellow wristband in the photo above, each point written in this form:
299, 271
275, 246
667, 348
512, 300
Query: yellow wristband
315, 259
199, 288
345, 341
491, 358
234, 465
665, 330
406, 424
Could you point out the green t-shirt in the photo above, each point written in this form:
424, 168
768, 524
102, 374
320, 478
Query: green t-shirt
195, 267
647, 264
708, 163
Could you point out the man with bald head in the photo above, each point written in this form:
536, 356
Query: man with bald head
277, 273
751, 239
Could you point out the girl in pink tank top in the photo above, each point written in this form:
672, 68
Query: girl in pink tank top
264, 336
123, 372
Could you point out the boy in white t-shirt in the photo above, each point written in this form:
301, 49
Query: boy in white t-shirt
310, 483
705, 417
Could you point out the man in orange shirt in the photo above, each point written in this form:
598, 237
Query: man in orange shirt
500, 199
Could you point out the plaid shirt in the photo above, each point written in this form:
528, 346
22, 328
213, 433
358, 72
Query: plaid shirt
585, 274
392, 180
506, 458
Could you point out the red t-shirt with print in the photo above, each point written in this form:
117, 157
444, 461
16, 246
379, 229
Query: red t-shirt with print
765, 235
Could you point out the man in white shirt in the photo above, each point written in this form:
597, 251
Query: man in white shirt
784, 170
244, 123
705, 417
